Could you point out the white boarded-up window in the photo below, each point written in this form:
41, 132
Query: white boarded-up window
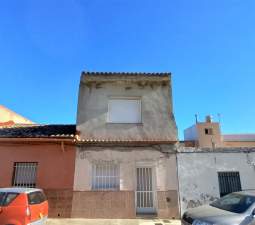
24, 174
124, 111
105, 176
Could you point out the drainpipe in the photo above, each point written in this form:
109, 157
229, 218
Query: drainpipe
178, 184
63, 146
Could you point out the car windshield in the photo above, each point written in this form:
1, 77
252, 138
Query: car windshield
236, 203
7, 198
2, 197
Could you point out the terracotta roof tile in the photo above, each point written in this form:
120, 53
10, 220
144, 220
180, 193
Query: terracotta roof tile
94, 140
124, 74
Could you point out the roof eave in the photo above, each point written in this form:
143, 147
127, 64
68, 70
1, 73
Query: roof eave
102, 142
16, 140
121, 77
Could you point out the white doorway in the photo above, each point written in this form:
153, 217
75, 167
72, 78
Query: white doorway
145, 190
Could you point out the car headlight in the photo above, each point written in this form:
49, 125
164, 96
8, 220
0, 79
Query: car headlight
199, 222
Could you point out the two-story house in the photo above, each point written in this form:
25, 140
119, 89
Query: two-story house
125, 157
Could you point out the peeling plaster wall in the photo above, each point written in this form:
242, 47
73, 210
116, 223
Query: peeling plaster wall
161, 158
157, 114
198, 178
127, 157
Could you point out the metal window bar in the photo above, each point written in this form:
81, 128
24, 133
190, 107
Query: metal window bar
229, 182
24, 174
105, 176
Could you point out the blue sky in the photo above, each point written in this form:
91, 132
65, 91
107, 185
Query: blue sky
209, 46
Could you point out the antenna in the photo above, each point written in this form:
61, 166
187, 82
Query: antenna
196, 116
219, 117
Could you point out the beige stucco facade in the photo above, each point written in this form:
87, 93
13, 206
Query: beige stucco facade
129, 158
158, 121
197, 134
149, 143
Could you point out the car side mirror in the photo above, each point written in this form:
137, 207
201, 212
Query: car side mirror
1, 209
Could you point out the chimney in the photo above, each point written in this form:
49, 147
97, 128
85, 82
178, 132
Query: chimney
208, 119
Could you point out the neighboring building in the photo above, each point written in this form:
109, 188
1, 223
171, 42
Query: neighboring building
208, 135
126, 134
239, 140
211, 165
204, 134
8, 117
40, 156
205, 175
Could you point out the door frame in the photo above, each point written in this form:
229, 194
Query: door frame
154, 182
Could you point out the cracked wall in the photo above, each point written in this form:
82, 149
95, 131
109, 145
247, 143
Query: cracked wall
198, 178
127, 157
158, 122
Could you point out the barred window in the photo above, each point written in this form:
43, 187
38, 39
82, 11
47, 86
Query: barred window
24, 174
229, 182
105, 176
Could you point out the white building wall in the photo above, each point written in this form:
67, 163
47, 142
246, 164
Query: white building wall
198, 178
191, 134
165, 167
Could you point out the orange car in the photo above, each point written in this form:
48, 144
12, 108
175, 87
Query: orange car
23, 206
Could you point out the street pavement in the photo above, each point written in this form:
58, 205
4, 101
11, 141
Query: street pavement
112, 222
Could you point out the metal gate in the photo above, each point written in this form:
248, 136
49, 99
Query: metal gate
145, 196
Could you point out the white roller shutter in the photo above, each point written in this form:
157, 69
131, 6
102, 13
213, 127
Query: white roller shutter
124, 111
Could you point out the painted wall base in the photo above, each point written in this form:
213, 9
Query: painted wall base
60, 202
105, 204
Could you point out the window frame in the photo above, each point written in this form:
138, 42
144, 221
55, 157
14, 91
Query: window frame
14, 175
209, 131
124, 98
225, 184
94, 176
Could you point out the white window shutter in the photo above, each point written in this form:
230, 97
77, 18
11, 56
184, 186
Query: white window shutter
124, 111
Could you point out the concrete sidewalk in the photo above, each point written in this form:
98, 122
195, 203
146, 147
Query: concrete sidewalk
112, 222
